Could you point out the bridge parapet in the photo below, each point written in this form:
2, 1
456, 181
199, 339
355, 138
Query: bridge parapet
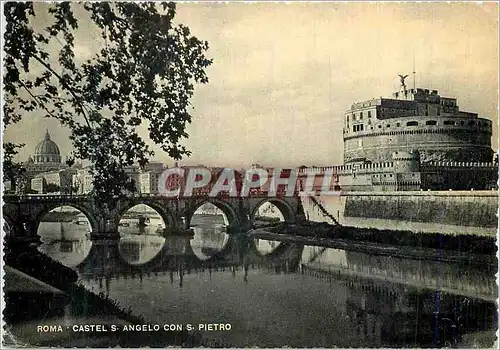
26, 212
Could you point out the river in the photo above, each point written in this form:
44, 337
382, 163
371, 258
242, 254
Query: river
283, 294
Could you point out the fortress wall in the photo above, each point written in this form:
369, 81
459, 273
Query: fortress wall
462, 208
357, 179
463, 177
413, 177
436, 176
459, 145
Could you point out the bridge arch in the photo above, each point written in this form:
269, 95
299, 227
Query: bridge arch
169, 219
283, 206
89, 214
226, 207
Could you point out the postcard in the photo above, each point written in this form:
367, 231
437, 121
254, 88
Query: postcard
250, 175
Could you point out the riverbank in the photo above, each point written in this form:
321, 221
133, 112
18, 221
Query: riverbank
408, 252
62, 301
475, 249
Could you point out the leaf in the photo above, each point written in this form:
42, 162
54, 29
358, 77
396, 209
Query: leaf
144, 73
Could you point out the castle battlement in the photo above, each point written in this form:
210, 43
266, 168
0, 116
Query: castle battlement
460, 164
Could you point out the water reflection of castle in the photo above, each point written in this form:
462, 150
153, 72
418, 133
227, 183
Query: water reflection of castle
398, 317
394, 302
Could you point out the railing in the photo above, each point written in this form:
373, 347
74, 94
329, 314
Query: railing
45, 196
202, 194
323, 210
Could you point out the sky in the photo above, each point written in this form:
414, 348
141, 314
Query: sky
284, 74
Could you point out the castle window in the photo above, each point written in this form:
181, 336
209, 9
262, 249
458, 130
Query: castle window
398, 124
369, 114
347, 117
431, 122
380, 126
358, 127
412, 123
361, 115
449, 122
388, 125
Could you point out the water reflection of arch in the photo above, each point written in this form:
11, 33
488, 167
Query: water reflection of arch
168, 217
88, 212
105, 259
283, 206
229, 254
225, 207
240, 250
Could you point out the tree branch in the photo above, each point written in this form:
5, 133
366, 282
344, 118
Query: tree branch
63, 82
37, 100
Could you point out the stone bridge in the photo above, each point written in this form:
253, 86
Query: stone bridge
23, 214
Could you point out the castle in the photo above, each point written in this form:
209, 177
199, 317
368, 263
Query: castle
415, 140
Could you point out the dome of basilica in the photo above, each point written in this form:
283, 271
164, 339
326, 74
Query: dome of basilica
47, 151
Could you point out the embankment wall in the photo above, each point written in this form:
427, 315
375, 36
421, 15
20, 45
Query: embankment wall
461, 208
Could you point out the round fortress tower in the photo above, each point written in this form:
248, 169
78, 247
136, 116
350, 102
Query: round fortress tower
406, 162
415, 119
